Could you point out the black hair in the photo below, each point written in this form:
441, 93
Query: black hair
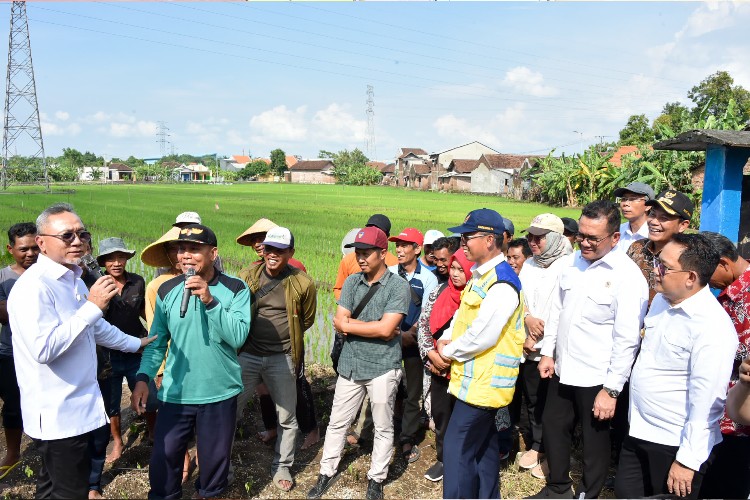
604, 209
20, 230
699, 255
723, 245
451, 244
523, 243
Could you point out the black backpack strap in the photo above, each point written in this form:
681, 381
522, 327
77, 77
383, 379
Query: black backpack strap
362, 303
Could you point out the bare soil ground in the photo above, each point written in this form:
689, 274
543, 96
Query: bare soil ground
128, 476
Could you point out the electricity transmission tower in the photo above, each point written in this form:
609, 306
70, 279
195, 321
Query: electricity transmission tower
22, 126
162, 135
370, 140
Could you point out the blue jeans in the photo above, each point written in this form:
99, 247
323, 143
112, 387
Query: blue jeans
125, 365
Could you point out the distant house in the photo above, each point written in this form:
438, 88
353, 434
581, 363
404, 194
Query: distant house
195, 172
234, 163
389, 174
470, 151
458, 176
622, 151
501, 174
312, 172
114, 172
406, 160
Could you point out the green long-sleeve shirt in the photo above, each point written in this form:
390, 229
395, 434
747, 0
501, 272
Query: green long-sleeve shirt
202, 362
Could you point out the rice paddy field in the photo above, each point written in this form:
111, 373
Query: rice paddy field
318, 216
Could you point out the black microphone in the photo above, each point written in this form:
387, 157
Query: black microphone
186, 293
92, 266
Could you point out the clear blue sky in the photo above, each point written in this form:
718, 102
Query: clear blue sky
234, 77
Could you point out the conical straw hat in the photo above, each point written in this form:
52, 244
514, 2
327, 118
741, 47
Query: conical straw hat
155, 255
260, 226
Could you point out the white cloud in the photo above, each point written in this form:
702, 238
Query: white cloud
336, 124
53, 129
136, 129
709, 17
458, 130
62, 115
279, 124
526, 81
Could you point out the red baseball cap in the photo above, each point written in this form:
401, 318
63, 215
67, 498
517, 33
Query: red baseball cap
410, 234
369, 237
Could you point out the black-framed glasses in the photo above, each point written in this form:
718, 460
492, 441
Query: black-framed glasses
591, 240
663, 269
68, 237
465, 239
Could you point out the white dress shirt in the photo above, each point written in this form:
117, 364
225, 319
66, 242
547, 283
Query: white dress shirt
494, 312
55, 330
595, 322
539, 285
679, 383
627, 236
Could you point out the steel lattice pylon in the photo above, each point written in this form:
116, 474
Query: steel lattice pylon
21, 107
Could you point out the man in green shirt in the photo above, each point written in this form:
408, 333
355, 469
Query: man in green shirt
370, 361
202, 376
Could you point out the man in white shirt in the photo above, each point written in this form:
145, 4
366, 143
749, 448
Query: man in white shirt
590, 342
56, 324
679, 383
632, 199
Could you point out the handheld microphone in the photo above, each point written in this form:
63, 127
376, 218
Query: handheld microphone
92, 266
186, 293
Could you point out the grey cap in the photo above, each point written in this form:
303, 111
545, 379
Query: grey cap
637, 188
112, 245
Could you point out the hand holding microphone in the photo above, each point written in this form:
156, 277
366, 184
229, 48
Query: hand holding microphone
194, 285
187, 292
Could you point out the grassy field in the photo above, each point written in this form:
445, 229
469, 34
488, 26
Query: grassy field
318, 216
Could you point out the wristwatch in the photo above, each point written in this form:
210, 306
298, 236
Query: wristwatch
611, 392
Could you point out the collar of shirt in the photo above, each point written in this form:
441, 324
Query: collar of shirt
607, 260
408, 276
739, 287
380, 280
642, 231
693, 304
477, 271
54, 270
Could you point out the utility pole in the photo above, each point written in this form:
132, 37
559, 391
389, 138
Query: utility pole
21, 106
370, 140
161, 134
581, 139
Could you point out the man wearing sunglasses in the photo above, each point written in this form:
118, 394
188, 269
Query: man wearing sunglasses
679, 383
590, 343
56, 324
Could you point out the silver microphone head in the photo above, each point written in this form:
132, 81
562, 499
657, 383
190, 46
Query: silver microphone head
92, 266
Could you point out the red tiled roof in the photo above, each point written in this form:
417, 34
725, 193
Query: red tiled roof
241, 159
389, 169
377, 165
312, 165
120, 167
506, 161
616, 159
290, 160
422, 169
267, 161
415, 151
462, 166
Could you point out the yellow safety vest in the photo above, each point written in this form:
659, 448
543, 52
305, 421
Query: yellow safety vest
489, 379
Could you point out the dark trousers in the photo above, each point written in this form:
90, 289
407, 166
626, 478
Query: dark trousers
98, 441
564, 404
620, 424
305, 410
534, 389
214, 425
644, 468
410, 423
472, 468
728, 476
10, 394
442, 407
65, 467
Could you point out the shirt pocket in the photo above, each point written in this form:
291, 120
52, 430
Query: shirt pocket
673, 352
598, 308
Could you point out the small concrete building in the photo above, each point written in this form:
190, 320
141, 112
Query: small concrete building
312, 172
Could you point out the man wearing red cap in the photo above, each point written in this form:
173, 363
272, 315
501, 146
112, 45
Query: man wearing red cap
422, 281
372, 305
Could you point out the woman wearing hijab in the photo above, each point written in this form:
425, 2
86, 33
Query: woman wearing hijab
539, 278
437, 313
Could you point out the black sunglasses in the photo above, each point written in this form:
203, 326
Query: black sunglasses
68, 237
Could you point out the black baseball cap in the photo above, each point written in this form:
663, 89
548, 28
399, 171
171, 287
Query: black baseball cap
198, 233
380, 221
570, 225
674, 203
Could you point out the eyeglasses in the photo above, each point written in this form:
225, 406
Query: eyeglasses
591, 240
630, 199
663, 269
68, 237
465, 239
535, 237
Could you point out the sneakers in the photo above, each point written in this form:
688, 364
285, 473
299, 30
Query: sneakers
323, 484
530, 459
374, 490
540, 470
548, 493
435, 473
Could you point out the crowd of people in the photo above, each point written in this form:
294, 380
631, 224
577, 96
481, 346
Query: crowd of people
595, 324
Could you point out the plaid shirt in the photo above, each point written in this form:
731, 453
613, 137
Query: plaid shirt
736, 302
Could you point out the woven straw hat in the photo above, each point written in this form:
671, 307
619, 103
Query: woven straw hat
155, 255
260, 226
